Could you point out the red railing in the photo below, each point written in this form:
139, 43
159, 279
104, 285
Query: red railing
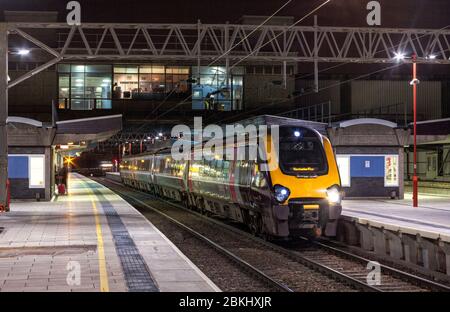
8, 198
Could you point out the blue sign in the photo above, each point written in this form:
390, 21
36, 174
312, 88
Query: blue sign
18, 167
367, 166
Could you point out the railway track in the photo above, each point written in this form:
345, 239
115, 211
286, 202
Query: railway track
391, 279
333, 263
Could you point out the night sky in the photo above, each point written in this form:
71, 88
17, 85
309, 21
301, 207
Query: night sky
396, 13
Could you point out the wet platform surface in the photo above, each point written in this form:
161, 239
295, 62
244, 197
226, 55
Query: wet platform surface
90, 240
431, 219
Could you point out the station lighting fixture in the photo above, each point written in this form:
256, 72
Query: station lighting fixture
23, 52
297, 134
160, 134
399, 56
432, 57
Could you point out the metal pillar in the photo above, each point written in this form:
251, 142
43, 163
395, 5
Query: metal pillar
3, 115
199, 49
316, 57
415, 178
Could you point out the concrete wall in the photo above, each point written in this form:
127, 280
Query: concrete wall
372, 94
259, 89
363, 96
428, 165
328, 93
33, 97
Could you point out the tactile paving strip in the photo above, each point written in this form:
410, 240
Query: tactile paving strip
135, 269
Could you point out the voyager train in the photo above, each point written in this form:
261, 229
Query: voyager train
301, 196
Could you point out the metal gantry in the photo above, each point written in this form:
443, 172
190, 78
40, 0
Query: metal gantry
208, 42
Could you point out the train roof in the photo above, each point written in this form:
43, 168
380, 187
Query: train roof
271, 120
268, 120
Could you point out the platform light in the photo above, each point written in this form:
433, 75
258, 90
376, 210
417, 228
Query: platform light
399, 56
432, 57
23, 52
160, 134
297, 134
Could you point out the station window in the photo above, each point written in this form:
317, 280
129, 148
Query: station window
214, 92
149, 81
84, 87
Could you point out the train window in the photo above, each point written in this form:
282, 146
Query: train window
303, 156
209, 172
219, 169
202, 168
156, 165
244, 172
226, 170
259, 180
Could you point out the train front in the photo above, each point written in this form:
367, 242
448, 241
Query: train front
306, 184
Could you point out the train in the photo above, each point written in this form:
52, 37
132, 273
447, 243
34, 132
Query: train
300, 196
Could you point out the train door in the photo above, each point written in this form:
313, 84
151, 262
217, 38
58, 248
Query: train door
260, 189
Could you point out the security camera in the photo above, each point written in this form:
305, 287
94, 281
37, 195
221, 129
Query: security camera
415, 81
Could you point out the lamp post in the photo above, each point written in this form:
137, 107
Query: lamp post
399, 57
414, 83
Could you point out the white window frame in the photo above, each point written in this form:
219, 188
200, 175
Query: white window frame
31, 186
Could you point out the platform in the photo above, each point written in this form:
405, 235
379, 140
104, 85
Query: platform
395, 230
431, 219
90, 240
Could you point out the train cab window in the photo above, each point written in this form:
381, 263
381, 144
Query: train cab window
302, 153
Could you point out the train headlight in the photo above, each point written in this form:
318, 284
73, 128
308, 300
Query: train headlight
281, 193
334, 195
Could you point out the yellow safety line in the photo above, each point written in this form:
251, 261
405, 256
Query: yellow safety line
104, 283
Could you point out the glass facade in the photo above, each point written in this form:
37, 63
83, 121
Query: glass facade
149, 81
84, 87
214, 92
94, 86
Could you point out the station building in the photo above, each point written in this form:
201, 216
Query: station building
171, 91
38, 150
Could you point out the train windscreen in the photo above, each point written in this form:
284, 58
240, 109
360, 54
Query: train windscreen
302, 153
